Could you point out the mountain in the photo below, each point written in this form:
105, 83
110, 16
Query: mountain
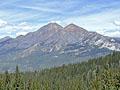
5, 40
117, 39
54, 45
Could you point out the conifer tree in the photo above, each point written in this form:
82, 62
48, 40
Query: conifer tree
17, 78
7, 80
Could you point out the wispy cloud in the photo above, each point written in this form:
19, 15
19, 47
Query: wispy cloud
14, 30
3, 23
41, 9
117, 22
19, 16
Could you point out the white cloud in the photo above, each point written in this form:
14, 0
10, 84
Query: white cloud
102, 22
14, 30
117, 23
21, 33
58, 22
113, 34
98, 22
24, 26
43, 9
3, 23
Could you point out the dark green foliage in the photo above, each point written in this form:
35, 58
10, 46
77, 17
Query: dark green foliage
97, 74
7, 80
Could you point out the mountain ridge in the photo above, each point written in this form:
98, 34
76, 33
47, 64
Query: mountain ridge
54, 42
53, 33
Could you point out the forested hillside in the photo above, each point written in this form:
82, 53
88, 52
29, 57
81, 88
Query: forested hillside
97, 74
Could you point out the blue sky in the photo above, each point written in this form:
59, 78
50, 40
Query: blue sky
22, 16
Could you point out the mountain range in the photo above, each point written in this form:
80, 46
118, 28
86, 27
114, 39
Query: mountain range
54, 45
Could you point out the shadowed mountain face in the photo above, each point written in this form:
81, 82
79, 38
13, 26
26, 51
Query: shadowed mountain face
117, 39
54, 45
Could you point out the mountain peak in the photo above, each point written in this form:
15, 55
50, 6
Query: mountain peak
72, 27
52, 26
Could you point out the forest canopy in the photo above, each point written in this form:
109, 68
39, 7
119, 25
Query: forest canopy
97, 74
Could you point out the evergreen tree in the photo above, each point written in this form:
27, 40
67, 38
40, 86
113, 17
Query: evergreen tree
17, 78
7, 80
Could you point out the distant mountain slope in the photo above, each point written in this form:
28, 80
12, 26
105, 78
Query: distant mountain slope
102, 73
54, 40
117, 39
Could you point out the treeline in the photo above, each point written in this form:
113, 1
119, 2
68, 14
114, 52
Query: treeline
97, 74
